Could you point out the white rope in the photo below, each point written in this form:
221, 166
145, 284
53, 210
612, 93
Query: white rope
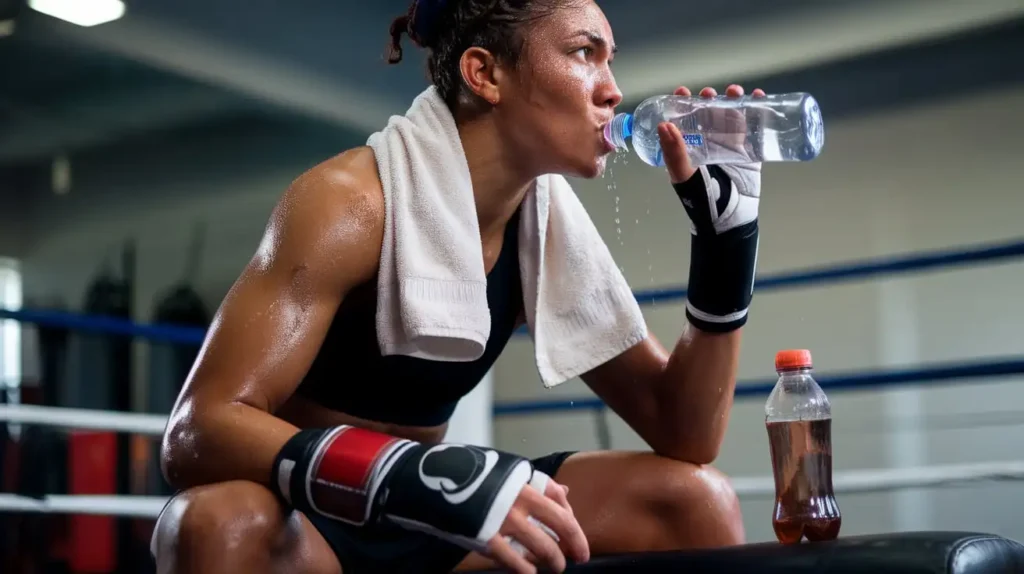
118, 421
855, 481
882, 480
130, 506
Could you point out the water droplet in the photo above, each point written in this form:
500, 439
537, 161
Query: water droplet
650, 266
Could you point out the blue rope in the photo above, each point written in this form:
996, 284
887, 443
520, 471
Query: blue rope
97, 324
931, 375
865, 269
832, 274
843, 272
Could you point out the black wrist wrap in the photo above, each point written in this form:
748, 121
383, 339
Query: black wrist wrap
721, 264
722, 278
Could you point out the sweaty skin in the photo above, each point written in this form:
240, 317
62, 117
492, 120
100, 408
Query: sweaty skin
234, 413
237, 409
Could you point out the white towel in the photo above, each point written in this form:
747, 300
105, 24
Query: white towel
432, 286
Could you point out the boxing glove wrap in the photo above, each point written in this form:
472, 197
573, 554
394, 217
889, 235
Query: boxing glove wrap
722, 202
459, 493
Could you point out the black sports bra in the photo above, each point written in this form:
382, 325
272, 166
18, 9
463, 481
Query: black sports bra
350, 375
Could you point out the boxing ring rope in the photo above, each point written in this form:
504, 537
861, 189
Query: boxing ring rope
855, 481
849, 271
85, 419
845, 482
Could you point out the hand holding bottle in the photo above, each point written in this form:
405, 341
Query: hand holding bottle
729, 122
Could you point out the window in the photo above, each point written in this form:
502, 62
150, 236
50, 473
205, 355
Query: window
10, 330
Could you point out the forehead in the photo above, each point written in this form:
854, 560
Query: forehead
584, 16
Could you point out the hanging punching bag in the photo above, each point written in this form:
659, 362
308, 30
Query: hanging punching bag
98, 461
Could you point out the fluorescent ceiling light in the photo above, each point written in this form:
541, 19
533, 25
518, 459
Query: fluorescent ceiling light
81, 12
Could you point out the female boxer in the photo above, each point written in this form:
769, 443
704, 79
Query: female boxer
298, 447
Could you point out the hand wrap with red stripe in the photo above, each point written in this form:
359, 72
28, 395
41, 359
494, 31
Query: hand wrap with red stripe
460, 493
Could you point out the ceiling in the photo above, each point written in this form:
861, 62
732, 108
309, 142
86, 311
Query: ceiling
172, 65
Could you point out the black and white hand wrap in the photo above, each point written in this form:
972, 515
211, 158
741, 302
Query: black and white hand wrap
722, 202
459, 493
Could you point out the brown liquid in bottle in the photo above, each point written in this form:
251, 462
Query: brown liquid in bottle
805, 504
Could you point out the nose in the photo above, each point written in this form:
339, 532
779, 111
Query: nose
609, 94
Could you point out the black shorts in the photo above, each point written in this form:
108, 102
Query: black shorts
394, 550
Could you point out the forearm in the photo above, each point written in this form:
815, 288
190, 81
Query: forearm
695, 394
228, 441
700, 377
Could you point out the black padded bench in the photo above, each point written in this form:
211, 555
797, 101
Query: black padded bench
900, 553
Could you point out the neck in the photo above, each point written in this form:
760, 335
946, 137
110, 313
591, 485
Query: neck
499, 183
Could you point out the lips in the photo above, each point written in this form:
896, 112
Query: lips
606, 146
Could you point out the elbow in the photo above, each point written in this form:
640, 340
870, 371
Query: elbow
173, 458
178, 450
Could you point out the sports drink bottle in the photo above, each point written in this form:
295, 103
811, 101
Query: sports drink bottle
724, 130
798, 417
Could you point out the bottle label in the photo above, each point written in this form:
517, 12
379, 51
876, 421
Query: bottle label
696, 140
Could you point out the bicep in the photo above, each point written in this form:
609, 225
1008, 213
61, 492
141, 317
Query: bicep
263, 338
273, 320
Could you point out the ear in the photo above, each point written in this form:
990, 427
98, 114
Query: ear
480, 72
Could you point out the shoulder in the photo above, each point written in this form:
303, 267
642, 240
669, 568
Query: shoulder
332, 213
344, 189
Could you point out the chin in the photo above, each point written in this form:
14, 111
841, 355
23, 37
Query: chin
588, 167
595, 168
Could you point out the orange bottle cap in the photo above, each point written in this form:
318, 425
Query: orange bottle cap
793, 359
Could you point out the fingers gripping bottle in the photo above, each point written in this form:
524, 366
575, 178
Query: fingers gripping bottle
798, 418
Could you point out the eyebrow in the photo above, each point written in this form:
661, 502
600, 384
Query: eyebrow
597, 39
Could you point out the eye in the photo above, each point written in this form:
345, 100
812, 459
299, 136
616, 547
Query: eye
585, 51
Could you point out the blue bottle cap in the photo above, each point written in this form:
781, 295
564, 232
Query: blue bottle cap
618, 130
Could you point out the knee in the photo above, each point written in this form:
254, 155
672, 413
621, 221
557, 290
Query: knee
697, 502
207, 523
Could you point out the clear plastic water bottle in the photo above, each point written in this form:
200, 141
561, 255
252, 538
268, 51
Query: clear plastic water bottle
724, 130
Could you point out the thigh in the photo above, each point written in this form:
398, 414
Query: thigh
642, 502
638, 501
